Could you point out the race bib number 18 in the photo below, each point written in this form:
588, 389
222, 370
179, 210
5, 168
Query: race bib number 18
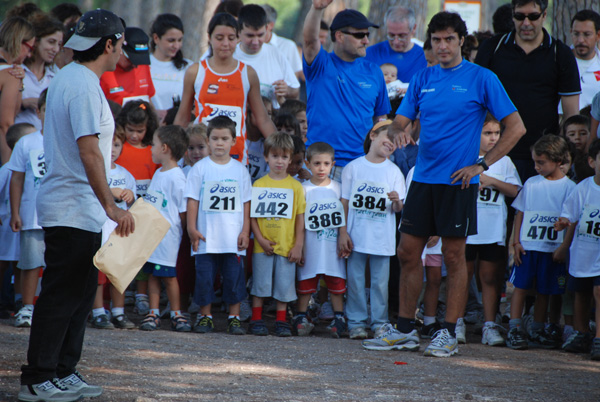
272, 203
369, 196
324, 214
539, 226
221, 196
589, 223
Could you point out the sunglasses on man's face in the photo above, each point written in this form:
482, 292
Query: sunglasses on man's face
530, 17
357, 35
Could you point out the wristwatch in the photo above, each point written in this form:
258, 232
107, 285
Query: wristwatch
481, 162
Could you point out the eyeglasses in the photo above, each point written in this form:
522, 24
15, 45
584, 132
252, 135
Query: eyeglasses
402, 36
357, 35
28, 46
530, 17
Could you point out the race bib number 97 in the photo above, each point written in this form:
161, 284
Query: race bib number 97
272, 203
324, 214
221, 196
539, 226
589, 224
369, 196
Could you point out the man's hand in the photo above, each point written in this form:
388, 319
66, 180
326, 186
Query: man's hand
466, 174
195, 237
124, 220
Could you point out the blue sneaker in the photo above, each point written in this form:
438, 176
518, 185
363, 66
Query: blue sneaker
283, 329
258, 327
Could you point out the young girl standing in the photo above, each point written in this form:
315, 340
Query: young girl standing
372, 191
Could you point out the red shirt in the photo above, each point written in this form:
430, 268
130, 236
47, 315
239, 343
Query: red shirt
135, 83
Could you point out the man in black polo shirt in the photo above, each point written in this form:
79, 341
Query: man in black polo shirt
537, 71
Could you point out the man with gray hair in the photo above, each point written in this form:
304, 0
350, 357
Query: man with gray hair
399, 49
286, 46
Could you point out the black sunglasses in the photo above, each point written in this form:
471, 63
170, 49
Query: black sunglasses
530, 17
357, 35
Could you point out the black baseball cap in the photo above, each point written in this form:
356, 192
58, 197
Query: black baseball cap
135, 46
93, 26
351, 18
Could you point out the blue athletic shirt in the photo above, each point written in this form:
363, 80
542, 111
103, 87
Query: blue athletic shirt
453, 103
343, 98
407, 63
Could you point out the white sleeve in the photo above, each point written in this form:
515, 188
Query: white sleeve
194, 184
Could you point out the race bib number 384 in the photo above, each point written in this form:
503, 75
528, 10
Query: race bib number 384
539, 226
369, 196
324, 214
272, 203
221, 196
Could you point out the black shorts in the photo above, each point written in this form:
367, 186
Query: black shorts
440, 210
485, 252
582, 284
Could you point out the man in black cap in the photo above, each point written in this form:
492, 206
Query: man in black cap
131, 79
346, 93
74, 201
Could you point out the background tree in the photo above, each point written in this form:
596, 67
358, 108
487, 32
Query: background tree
563, 11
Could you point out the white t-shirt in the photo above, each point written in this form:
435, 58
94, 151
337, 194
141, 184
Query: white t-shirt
165, 193
257, 166
288, 49
491, 208
119, 177
76, 107
371, 221
541, 201
221, 192
167, 80
28, 157
320, 247
583, 206
32, 89
9, 240
270, 66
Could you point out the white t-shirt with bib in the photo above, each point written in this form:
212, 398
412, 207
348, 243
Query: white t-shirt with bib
372, 224
119, 177
167, 80
221, 191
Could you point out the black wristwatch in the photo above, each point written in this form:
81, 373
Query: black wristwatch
481, 162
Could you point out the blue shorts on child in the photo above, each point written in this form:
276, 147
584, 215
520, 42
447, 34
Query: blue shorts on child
163, 271
232, 277
539, 269
583, 284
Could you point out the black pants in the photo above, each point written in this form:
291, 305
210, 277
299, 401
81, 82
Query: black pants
59, 318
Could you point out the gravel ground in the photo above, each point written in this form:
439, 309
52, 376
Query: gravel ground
165, 366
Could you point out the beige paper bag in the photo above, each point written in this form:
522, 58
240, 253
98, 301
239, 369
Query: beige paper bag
121, 258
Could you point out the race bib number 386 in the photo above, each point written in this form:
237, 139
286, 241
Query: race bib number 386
539, 226
272, 203
221, 196
324, 214
369, 196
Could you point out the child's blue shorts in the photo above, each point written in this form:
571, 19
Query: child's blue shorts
163, 271
539, 270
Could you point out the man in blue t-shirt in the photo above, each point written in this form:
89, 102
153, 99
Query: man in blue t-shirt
399, 49
345, 91
453, 99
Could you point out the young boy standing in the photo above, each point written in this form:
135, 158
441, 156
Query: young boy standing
165, 193
323, 215
218, 196
277, 220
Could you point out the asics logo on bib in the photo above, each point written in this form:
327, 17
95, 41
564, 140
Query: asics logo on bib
151, 198
543, 219
40, 157
322, 207
370, 189
222, 189
253, 158
141, 187
279, 196
116, 182
594, 213
232, 114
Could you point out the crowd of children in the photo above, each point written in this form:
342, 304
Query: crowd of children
280, 228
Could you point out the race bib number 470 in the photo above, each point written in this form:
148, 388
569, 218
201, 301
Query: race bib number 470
221, 196
539, 226
272, 203
324, 214
369, 196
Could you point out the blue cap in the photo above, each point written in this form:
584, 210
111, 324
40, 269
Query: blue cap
351, 18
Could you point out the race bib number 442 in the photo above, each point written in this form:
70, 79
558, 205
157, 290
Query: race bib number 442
272, 203
221, 196
539, 226
324, 214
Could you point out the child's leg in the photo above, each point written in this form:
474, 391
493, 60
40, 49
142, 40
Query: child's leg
281, 311
540, 307
303, 300
284, 285
29, 282
337, 301
555, 309
206, 270
488, 274
172, 288
581, 310
98, 300
234, 282
517, 302
17, 284
356, 302
380, 275
118, 299
262, 282
597, 299
154, 292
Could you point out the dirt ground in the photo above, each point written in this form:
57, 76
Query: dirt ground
139, 366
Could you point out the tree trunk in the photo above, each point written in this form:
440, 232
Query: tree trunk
487, 11
563, 11
196, 15
378, 9
302, 12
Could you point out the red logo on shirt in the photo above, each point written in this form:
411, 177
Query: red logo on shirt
597, 75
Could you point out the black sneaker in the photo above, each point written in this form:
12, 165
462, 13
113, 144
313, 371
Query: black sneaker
102, 322
578, 342
554, 334
204, 324
540, 339
516, 339
122, 322
258, 327
338, 327
596, 349
302, 326
234, 327
283, 329
428, 330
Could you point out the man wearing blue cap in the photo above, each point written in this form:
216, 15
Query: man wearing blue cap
74, 201
345, 91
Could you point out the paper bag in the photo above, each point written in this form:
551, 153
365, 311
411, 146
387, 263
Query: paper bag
121, 258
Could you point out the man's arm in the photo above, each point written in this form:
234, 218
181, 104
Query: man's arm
398, 129
570, 106
93, 162
312, 24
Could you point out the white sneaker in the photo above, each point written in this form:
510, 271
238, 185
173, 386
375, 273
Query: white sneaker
23, 317
76, 383
442, 345
358, 333
379, 331
491, 336
461, 331
50, 391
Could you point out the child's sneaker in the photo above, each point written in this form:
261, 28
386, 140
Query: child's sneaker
516, 339
461, 331
129, 298
76, 383
554, 334
326, 312
204, 324
258, 327
122, 322
358, 333
427, 331
150, 323
338, 327
102, 322
596, 349
245, 310
180, 324
578, 342
283, 329
540, 339
301, 326
234, 327
23, 317
393, 339
142, 305
51, 391
491, 336
442, 344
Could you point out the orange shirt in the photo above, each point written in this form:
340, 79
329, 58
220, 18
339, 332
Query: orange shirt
138, 162
120, 85
224, 95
